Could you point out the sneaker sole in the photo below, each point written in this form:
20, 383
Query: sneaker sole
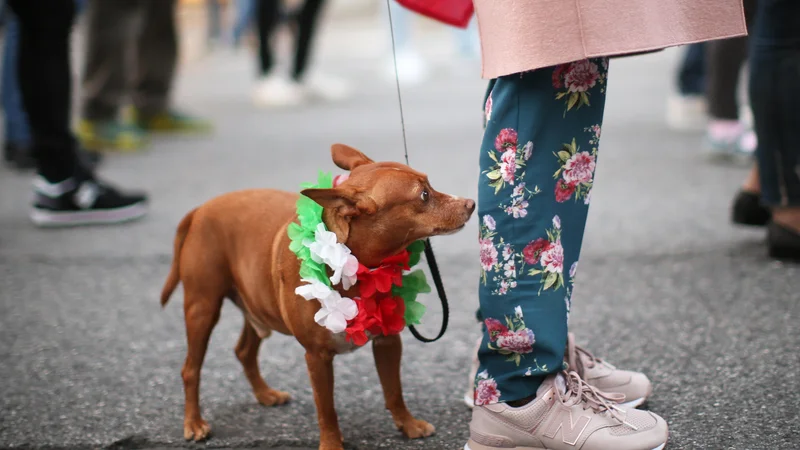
476, 446
633, 403
51, 219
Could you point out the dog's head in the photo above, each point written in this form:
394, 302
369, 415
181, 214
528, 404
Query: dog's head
383, 207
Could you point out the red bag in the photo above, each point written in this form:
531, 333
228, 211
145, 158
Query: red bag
452, 12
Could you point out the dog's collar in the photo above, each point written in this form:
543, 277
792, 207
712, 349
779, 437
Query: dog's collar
386, 300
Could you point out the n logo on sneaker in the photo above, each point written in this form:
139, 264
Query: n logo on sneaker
570, 432
86, 195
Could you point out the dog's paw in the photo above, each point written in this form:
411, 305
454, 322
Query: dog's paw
197, 429
415, 428
272, 397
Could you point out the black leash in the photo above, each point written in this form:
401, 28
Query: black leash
437, 281
437, 277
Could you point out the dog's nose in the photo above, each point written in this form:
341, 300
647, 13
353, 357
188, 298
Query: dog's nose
470, 205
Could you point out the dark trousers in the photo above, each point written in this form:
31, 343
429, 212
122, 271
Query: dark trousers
305, 21
131, 50
692, 72
774, 94
724, 61
45, 82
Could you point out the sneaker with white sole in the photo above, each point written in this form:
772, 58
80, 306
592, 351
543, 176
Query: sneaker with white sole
567, 414
274, 91
635, 386
83, 201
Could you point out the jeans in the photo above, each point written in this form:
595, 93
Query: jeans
774, 93
245, 15
692, 73
537, 163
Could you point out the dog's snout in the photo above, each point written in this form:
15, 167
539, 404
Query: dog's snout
470, 205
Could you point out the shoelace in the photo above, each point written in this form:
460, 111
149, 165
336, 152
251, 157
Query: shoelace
578, 391
575, 362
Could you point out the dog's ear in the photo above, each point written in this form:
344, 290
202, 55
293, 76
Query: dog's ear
348, 158
340, 205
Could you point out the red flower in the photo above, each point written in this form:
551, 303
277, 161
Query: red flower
381, 279
564, 190
494, 327
366, 320
392, 315
506, 138
533, 251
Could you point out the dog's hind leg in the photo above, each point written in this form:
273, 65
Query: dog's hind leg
202, 313
247, 352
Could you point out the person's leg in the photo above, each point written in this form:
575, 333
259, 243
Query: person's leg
692, 72
109, 35
411, 67
726, 135
686, 110
774, 72
272, 89
66, 191
537, 168
154, 73
17, 146
307, 20
245, 12
214, 21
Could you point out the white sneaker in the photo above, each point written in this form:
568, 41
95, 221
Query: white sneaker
686, 112
276, 91
328, 88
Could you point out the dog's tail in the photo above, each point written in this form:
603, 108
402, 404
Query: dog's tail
174, 276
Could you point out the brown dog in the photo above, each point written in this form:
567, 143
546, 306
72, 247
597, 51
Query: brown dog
236, 246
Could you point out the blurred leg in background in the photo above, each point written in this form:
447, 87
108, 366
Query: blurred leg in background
686, 110
774, 90
67, 193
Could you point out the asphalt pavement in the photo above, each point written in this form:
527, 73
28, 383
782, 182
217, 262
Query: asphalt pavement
88, 359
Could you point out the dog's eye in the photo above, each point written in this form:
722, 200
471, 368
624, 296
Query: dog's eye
424, 196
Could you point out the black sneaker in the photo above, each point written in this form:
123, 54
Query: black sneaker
783, 243
85, 201
748, 210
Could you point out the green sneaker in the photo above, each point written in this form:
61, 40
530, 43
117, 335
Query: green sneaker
172, 121
110, 135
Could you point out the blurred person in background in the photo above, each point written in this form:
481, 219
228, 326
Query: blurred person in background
245, 20
275, 89
66, 190
686, 110
113, 29
18, 144
726, 134
771, 193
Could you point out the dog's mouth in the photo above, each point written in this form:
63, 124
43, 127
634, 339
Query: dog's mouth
448, 231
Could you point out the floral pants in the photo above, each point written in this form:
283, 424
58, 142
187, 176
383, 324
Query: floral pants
537, 170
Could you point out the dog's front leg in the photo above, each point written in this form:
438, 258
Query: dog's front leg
387, 351
320, 370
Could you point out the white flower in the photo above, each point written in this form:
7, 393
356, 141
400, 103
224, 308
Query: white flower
347, 273
510, 270
483, 375
335, 312
527, 150
518, 312
508, 252
557, 222
489, 222
314, 289
529, 372
588, 198
326, 249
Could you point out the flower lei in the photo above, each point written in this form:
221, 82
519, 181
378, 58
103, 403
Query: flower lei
387, 295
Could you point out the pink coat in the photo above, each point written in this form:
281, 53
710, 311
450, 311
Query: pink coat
521, 35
